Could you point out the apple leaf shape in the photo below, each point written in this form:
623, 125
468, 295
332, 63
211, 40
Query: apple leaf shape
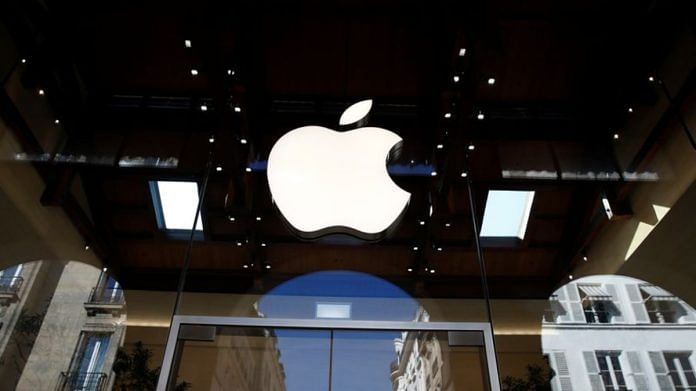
355, 112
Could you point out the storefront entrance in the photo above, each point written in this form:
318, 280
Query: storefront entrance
262, 354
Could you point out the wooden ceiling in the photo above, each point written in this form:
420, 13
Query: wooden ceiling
564, 73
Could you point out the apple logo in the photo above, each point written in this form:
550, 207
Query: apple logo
326, 182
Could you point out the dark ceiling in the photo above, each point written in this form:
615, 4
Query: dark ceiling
565, 72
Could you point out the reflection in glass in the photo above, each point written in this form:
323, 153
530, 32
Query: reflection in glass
619, 333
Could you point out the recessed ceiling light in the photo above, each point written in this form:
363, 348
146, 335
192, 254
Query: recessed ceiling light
178, 203
56, 121
455, 79
651, 79
480, 115
230, 72
258, 218
616, 136
263, 244
584, 258
239, 244
491, 81
243, 140
570, 276
440, 146
86, 247
211, 139
462, 52
204, 108
24, 61
630, 109
421, 222
506, 213
471, 147
463, 174
410, 269
447, 225
268, 266
448, 115
439, 249
187, 43
231, 218
218, 168
432, 271
41, 92
248, 169
237, 109
246, 266
415, 248
433, 173
194, 72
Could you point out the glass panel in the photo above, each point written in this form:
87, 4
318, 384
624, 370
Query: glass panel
259, 359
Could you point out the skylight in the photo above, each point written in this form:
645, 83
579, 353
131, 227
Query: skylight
176, 204
506, 214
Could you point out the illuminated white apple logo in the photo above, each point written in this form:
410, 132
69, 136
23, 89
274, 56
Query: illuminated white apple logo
324, 181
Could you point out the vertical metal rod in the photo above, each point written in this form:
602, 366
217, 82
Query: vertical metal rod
331, 338
482, 269
171, 381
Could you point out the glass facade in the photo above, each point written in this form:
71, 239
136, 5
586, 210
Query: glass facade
349, 196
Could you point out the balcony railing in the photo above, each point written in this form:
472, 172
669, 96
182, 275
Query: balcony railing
106, 296
82, 381
10, 285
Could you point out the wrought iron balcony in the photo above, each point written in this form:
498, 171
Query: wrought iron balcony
105, 300
82, 381
9, 289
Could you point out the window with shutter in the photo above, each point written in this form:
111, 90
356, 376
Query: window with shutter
637, 305
593, 371
560, 367
617, 315
680, 370
661, 372
574, 304
639, 380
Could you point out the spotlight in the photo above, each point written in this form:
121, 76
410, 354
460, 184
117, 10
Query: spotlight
439, 249
584, 258
246, 266
447, 225
248, 169
230, 72
616, 136
464, 174
432, 271
471, 147
491, 81
258, 218
415, 248
267, 266
194, 72
187, 43
204, 108
87, 247
570, 276
218, 168
56, 121
410, 270
237, 109
462, 52
211, 139
433, 173
651, 79
24, 61
231, 218
42, 92
455, 79
440, 146
448, 115
480, 116
263, 244
243, 140
630, 109
421, 222
239, 244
